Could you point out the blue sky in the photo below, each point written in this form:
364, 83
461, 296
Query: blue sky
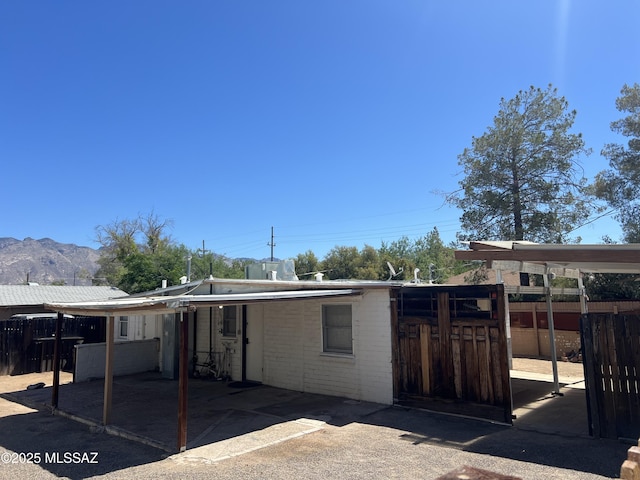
335, 122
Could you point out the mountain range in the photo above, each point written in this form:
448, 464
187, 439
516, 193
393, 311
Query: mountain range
46, 261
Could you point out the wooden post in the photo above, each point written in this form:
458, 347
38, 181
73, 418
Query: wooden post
108, 373
444, 333
57, 347
182, 382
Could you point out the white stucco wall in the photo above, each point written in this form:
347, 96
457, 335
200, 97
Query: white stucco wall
128, 358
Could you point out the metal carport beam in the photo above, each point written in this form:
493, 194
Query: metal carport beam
535, 268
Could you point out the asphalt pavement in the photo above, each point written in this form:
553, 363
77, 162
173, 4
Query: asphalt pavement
381, 442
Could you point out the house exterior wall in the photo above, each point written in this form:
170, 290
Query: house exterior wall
140, 327
292, 356
209, 339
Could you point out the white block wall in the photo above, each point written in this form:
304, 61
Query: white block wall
292, 347
128, 358
293, 355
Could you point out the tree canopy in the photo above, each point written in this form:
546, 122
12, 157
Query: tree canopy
522, 178
620, 185
137, 254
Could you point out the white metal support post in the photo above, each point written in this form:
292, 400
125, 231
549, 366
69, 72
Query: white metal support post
552, 335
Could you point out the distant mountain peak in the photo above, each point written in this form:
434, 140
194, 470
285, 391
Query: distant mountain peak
46, 261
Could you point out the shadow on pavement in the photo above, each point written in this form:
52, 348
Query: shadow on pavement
67, 449
146, 407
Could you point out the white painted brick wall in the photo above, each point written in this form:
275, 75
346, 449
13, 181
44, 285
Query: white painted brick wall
293, 355
283, 347
292, 347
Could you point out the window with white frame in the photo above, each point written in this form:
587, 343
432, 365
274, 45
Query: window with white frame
123, 327
337, 329
229, 321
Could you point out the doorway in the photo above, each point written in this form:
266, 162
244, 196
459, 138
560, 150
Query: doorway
254, 342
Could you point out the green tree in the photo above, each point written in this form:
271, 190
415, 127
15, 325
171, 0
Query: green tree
612, 286
341, 263
306, 264
401, 254
368, 267
137, 254
145, 271
435, 260
348, 263
620, 185
217, 265
522, 178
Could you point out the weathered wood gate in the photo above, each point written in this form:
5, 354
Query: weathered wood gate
450, 350
611, 358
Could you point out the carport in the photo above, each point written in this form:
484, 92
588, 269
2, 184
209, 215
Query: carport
613, 378
180, 305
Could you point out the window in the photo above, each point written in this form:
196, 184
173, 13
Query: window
336, 329
124, 327
229, 321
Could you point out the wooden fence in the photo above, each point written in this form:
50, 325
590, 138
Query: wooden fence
451, 351
26, 344
611, 356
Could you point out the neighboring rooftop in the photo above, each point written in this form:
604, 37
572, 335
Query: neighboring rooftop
34, 294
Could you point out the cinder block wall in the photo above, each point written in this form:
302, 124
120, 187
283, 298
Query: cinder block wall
136, 356
526, 342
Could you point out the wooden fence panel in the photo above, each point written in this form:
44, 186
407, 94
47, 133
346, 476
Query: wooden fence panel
452, 351
611, 356
26, 345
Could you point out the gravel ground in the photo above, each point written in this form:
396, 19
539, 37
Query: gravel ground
565, 369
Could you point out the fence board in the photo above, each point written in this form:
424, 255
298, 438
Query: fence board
456, 361
611, 355
24, 347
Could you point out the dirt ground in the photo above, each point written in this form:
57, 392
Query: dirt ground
565, 369
14, 383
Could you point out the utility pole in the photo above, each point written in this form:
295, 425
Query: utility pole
204, 251
271, 244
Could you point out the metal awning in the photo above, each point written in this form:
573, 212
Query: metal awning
546, 259
170, 304
616, 258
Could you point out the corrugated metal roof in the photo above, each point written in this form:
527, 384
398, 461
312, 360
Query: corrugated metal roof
165, 304
23, 295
